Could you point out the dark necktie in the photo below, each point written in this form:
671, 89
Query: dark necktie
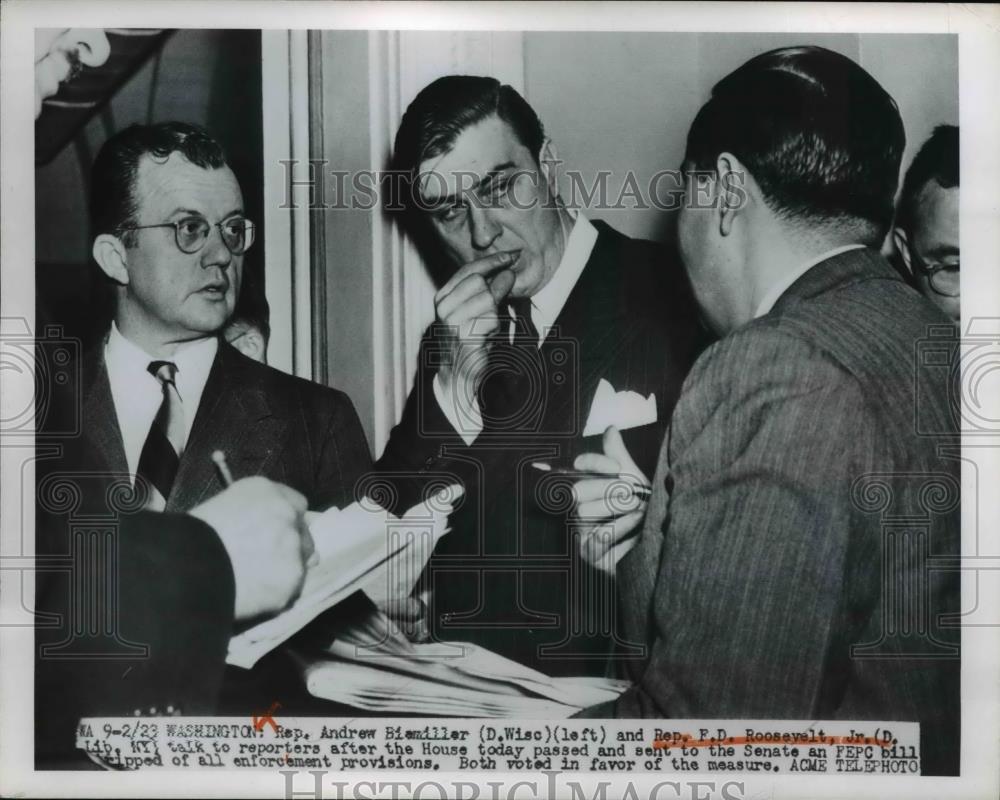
165, 442
512, 392
524, 326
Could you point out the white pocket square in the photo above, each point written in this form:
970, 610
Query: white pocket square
625, 409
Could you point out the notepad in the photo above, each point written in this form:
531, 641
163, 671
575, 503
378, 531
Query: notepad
362, 547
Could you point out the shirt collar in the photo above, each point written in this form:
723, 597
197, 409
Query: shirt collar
128, 362
771, 295
547, 303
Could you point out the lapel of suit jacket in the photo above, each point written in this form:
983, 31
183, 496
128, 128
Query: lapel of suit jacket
594, 316
234, 416
639, 569
100, 419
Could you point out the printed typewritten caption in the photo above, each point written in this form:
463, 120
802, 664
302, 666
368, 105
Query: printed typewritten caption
715, 746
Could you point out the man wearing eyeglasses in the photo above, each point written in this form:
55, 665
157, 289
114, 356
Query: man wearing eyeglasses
926, 227
190, 559
170, 233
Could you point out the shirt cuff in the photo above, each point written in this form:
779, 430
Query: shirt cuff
467, 421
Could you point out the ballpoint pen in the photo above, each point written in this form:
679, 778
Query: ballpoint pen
223, 468
638, 489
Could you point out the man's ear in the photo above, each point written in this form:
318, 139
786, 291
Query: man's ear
110, 254
548, 160
253, 345
902, 243
731, 190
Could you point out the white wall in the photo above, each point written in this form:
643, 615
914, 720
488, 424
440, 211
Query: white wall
623, 101
610, 101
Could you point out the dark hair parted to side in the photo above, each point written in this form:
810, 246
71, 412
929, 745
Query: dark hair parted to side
937, 160
449, 105
113, 205
819, 135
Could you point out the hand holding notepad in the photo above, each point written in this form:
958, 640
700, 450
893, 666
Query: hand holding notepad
362, 547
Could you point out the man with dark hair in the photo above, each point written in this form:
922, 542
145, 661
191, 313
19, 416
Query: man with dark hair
926, 228
775, 577
249, 335
249, 330
154, 402
170, 234
550, 329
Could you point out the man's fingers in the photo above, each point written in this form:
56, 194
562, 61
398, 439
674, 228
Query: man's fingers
614, 447
479, 306
604, 545
597, 462
309, 556
501, 284
626, 528
295, 499
472, 287
615, 493
299, 583
601, 508
593, 510
404, 608
589, 489
617, 530
481, 266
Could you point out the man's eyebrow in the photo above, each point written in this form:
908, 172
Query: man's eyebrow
499, 168
191, 212
942, 250
450, 199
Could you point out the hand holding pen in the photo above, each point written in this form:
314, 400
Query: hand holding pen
639, 488
309, 555
609, 523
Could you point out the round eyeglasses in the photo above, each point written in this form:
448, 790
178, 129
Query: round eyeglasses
191, 233
943, 278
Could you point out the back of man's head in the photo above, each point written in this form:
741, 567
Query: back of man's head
445, 108
249, 332
937, 160
113, 202
821, 138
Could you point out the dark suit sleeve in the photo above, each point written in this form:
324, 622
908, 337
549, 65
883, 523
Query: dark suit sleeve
419, 446
752, 563
344, 456
171, 628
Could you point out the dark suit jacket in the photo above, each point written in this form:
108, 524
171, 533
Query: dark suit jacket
809, 479
175, 586
267, 423
508, 576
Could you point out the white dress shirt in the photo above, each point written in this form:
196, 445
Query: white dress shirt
774, 292
546, 305
137, 394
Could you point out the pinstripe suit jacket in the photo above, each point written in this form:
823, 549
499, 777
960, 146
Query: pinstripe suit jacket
809, 475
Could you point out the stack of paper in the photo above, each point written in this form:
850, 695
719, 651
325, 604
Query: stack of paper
362, 547
372, 667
